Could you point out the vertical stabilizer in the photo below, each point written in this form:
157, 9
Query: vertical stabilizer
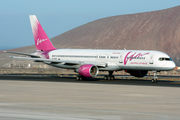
42, 41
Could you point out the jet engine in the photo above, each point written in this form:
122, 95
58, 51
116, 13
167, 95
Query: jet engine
88, 70
137, 73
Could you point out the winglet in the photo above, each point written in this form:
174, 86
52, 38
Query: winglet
42, 41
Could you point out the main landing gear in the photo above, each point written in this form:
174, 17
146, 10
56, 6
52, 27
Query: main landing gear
110, 76
79, 78
154, 80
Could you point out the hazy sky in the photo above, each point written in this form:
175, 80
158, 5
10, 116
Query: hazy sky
59, 16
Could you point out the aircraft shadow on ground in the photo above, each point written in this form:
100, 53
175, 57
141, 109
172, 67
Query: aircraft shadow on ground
141, 82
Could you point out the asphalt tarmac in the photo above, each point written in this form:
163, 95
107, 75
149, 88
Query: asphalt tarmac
64, 98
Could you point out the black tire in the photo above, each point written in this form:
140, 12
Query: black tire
105, 77
153, 81
77, 78
112, 77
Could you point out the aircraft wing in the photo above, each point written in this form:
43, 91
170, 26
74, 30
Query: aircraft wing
19, 53
99, 64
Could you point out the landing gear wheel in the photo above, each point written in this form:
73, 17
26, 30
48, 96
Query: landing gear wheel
109, 77
112, 77
80, 78
154, 80
105, 77
77, 78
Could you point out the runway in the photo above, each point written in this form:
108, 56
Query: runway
64, 98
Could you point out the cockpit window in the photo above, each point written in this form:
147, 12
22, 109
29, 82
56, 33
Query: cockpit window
165, 59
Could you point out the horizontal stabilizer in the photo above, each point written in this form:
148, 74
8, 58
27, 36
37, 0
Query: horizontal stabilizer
19, 53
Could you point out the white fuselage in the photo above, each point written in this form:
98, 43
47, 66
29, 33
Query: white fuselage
115, 59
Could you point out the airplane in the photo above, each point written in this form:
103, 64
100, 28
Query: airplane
88, 62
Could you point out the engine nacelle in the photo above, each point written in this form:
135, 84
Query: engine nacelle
88, 70
138, 73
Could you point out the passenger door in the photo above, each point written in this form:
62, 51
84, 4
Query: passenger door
151, 60
121, 59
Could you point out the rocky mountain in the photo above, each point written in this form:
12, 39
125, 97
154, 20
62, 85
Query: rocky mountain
156, 30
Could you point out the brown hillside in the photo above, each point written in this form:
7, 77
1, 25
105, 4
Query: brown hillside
157, 30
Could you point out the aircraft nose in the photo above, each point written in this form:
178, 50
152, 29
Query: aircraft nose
172, 65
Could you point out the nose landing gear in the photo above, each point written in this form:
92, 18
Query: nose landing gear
154, 80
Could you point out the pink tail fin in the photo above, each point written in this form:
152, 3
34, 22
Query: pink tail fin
42, 41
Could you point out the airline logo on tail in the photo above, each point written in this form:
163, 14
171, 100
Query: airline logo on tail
42, 41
